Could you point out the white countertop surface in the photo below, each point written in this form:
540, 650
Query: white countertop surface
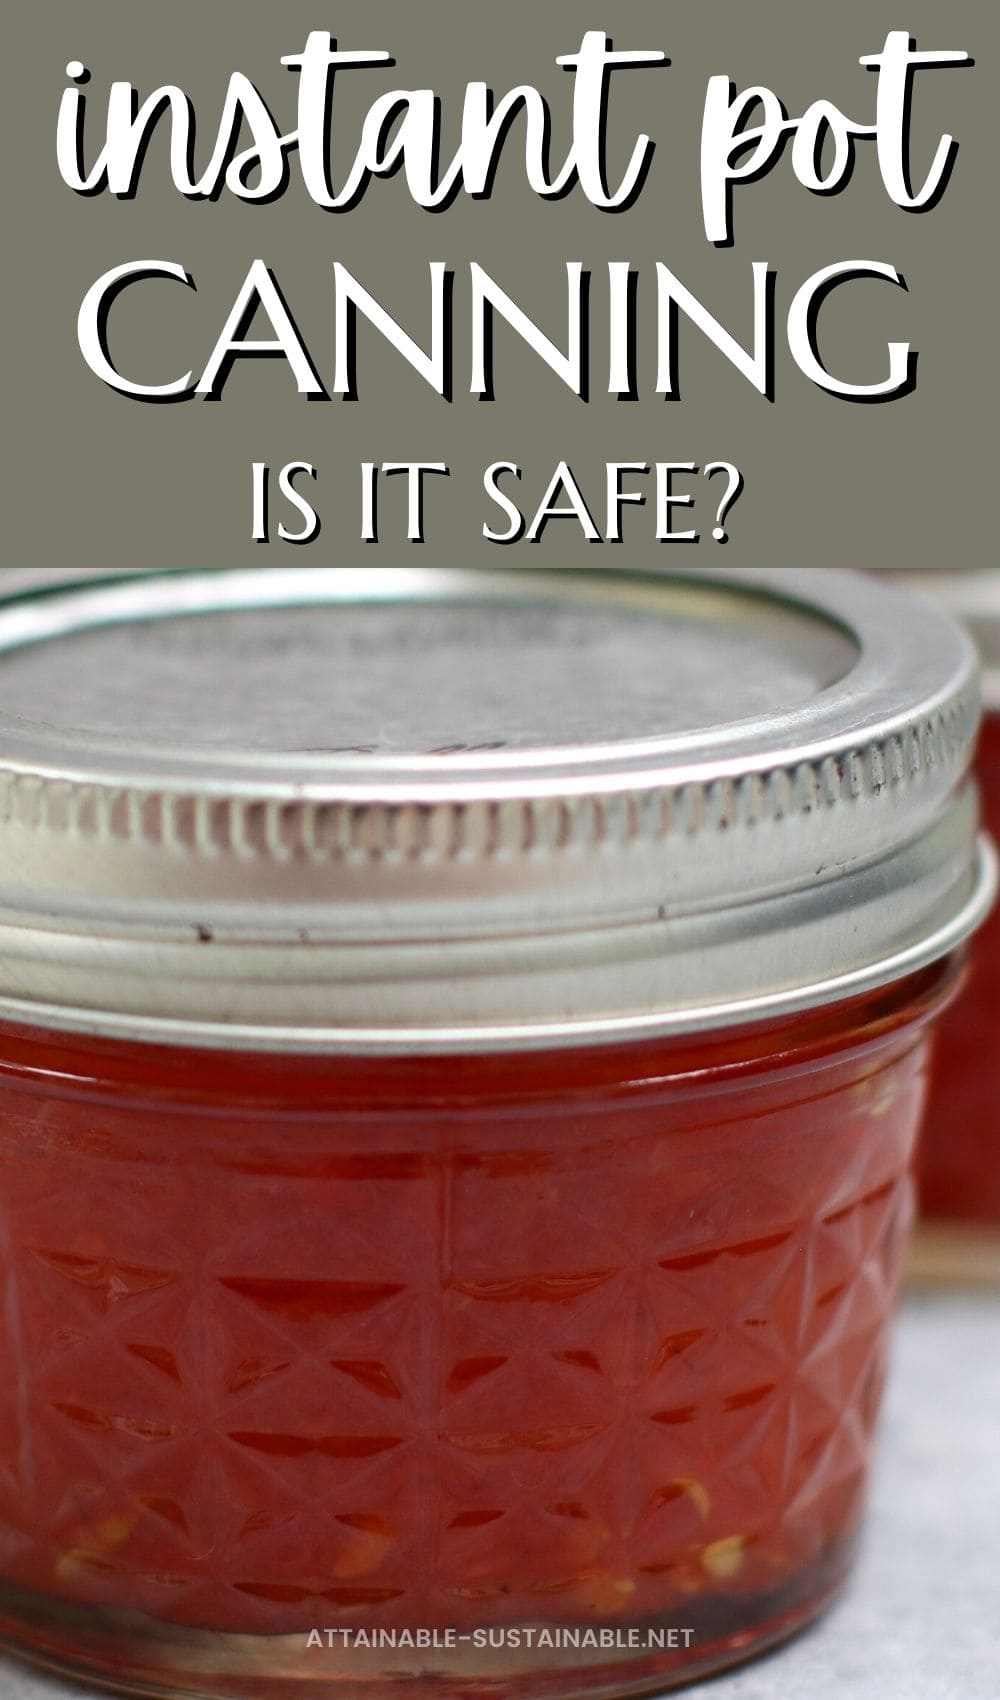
921, 1619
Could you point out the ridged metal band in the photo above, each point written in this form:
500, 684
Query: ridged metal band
319, 831
518, 899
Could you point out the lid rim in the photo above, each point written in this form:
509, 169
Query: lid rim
883, 669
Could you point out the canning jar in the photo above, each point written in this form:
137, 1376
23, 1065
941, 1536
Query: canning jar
960, 1157
462, 1044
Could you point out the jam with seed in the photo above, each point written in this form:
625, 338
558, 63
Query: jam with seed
590, 1338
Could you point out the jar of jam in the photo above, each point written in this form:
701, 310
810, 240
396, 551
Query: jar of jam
462, 1041
960, 1157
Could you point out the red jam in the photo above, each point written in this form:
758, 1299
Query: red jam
960, 1176
593, 1338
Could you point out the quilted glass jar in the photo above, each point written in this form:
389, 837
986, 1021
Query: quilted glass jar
461, 1055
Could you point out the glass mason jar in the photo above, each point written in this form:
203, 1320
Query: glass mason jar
461, 1054
960, 1159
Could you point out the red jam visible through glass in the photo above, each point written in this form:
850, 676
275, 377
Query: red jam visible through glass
596, 1337
960, 1171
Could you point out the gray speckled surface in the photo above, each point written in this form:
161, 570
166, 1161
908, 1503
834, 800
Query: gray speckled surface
921, 1620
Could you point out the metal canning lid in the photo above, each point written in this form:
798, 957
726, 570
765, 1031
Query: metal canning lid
424, 809
971, 595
